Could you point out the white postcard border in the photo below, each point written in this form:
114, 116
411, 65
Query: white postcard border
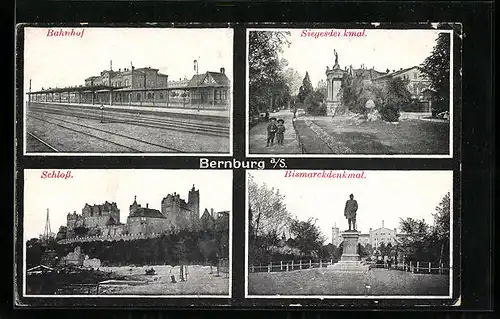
322, 297
231, 112
247, 109
229, 296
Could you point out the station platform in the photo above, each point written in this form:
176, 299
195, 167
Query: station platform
179, 111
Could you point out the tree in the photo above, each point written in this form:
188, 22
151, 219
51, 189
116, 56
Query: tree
355, 92
441, 229
293, 79
268, 211
322, 88
414, 241
265, 67
308, 237
437, 67
396, 95
306, 89
315, 103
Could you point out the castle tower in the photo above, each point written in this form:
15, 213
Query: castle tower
194, 202
336, 239
134, 206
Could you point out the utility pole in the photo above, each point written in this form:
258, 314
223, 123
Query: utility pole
197, 83
47, 230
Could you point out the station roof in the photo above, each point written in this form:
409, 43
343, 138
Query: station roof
93, 88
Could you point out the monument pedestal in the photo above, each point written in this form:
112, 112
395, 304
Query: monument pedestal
333, 84
350, 260
331, 107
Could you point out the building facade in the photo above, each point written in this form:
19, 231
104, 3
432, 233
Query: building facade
418, 81
375, 237
103, 221
144, 86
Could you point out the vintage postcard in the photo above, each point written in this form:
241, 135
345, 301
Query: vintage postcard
338, 234
350, 92
133, 91
126, 233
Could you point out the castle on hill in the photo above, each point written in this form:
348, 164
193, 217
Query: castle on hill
103, 221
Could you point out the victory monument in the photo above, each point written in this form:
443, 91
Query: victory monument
333, 80
350, 260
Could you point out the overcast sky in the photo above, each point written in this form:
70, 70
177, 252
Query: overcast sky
382, 49
62, 196
382, 196
68, 61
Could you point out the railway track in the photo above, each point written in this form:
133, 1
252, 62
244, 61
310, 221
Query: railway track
45, 146
213, 129
104, 132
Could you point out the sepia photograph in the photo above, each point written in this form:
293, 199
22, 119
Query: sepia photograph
349, 234
127, 233
134, 91
350, 92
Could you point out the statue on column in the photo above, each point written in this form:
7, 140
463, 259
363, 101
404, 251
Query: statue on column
336, 57
351, 207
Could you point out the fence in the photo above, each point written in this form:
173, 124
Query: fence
290, 265
419, 267
413, 267
222, 268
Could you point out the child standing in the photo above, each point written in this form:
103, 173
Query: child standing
271, 131
280, 132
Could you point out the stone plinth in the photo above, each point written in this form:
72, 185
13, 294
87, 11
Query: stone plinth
333, 83
350, 260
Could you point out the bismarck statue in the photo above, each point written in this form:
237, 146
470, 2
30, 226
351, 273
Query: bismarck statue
351, 207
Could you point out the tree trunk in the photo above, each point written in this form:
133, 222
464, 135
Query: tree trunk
441, 254
257, 225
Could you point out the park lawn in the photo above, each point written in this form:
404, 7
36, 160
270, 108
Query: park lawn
326, 282
379, 137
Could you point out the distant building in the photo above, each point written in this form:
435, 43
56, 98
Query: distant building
375, 237
367, 75
418, 81
143, 86
40, 269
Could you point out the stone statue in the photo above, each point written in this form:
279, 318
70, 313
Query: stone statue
351, 207
336, 57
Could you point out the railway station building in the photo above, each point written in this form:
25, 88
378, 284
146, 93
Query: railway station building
144, 87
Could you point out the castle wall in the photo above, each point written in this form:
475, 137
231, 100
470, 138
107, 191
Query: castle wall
114, 230
146, 225
96, 221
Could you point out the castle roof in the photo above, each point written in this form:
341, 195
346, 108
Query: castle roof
111, 221
207, 215
147, 212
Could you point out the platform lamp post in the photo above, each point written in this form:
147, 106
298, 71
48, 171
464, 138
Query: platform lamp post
197, 83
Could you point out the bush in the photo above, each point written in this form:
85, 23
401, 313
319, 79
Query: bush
314, 104
413, 106
389, 113
440, 107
